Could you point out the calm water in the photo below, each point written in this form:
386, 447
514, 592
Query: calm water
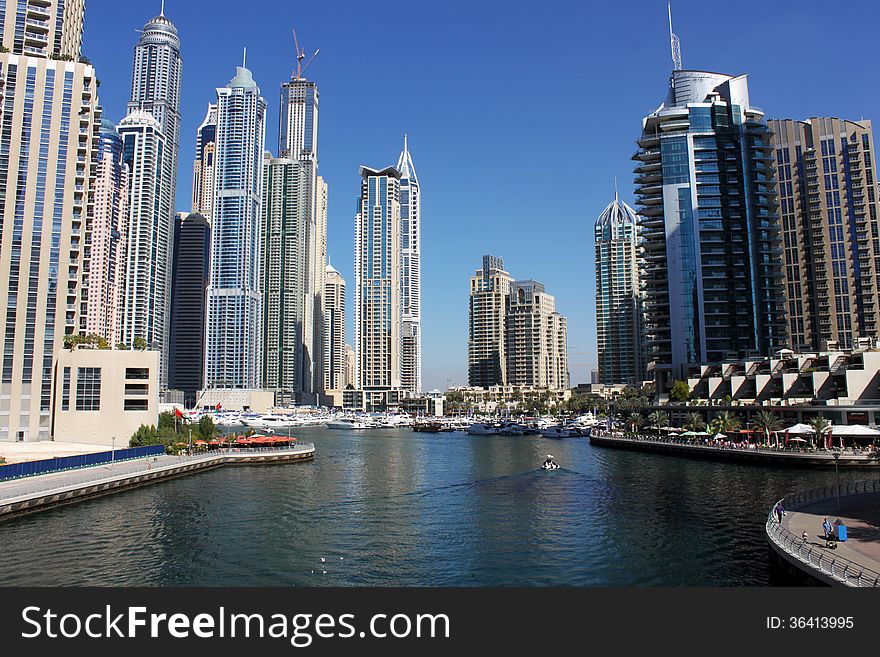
395, 508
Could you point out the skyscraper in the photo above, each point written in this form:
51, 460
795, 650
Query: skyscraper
298, 141
411, 276
49, 131
828, 198
334, 330
377, 281
203, 167
487, 342
288, 306
536, 335
619, 320
103, 285
235, 320
155, 92
706, 193
192, 268
149, 230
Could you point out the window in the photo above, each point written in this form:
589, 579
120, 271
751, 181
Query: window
88, 389
137, 405
137, 373
65, 390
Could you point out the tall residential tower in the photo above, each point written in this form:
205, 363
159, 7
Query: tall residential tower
619, 319
410, 271
706, 194
828, 198
487, 341
235, 297
49, 135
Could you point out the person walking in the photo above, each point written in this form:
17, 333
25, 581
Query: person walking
826, 527
780, 512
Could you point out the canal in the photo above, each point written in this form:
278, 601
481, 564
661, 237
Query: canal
396, 508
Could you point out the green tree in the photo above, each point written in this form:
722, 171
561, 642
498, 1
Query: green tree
725, 422
636, 422
821, 426
659, 419
766, 422
694, 422
140, 344
681, 392
206, 427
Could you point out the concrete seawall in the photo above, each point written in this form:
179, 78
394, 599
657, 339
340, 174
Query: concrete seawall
755, 456
47, 491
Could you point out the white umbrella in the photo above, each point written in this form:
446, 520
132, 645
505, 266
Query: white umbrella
801, 428
853, 430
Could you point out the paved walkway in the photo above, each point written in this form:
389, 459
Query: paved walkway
44, 483
860, 514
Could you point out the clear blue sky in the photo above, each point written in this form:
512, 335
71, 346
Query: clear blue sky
520, 114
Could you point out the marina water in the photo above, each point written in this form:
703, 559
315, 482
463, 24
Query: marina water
398, 508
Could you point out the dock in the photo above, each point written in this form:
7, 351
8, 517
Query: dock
27, 495
756, 456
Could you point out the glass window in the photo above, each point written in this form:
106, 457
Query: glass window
88, 389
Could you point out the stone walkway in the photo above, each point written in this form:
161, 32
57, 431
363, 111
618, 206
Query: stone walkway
860, 514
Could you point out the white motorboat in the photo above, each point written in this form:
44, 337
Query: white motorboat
481, 429
347, 423
560, 432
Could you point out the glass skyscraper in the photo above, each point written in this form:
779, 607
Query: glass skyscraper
411, 272
619, 304
235, 320
706, 194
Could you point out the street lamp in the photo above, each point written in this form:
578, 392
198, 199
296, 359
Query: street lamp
836, 455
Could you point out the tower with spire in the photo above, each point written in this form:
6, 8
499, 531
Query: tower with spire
155, 92
411, 277
619, 323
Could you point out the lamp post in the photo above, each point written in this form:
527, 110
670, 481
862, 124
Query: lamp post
836, 455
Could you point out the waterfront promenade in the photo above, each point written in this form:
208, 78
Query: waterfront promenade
34, 493
798, 457
855, 562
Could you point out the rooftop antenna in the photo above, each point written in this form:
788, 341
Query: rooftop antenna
300, 58
244, 58
616, 195
676, 44
162, 11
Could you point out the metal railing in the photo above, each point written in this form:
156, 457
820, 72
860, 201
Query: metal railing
131, 468
838, 568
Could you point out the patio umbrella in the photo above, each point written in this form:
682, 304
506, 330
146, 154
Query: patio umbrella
855, 430
801, 429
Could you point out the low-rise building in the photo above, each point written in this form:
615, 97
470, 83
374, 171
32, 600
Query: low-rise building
104, 394
234, 399
500, 399
374, 400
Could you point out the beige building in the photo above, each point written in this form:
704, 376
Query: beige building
350, 367
104, 394
536, 335
49, 126
828, 204
487, 348
334, 330
507, 398
236, 399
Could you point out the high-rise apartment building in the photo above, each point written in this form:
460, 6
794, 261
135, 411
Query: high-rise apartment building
155, 92
192, 268
377, 281
146, 293
706, 189
619, 306
487, 342
235, 318
536, 336
410, 272
334, 330
350, 367
298, 141
203, 167
105, 260
828, 203
49, 133
35, 28
288, 305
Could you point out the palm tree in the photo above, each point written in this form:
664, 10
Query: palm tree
820, 425
636, 421
767, 423
659, 419
694, 422
725, 422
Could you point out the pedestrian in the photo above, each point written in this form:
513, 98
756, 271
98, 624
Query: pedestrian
804, 536
826, 527
780, 512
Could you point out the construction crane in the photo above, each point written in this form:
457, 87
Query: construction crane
300, 58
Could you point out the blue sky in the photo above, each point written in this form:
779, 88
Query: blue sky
520, 114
